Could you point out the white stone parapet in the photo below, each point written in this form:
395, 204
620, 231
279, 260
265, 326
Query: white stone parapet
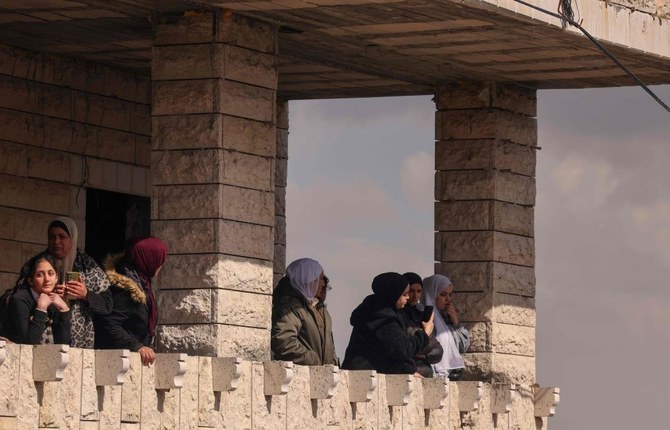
226, 372
323, 380
72, 388
111, 366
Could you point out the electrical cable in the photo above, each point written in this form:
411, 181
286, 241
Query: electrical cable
569, 18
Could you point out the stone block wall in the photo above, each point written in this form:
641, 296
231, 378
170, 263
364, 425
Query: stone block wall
66, 125
54, 386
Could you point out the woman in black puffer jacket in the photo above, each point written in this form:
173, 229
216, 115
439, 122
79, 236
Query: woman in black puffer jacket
379, 340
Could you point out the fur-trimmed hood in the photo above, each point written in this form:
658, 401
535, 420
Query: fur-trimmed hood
120, 281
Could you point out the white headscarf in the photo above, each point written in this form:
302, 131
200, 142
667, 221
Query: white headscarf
304, 275
451, 359
71, 227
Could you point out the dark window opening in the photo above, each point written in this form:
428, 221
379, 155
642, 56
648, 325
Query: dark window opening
111, 219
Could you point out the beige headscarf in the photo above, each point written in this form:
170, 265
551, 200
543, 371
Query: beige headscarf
71, 228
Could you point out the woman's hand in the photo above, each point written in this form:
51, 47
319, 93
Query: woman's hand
453, 315
43, 302
147, 355
76, 290
59, 289
429, 325
59, 302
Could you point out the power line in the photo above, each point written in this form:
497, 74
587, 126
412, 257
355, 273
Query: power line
569, 18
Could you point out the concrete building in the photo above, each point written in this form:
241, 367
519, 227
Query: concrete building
120, 112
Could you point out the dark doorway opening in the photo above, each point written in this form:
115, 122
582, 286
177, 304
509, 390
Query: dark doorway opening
112, 218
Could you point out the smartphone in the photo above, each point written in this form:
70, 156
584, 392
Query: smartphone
427, 313
72, 276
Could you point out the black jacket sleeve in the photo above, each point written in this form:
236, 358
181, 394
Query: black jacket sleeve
394, 339
61, 327
100, 303
112, 326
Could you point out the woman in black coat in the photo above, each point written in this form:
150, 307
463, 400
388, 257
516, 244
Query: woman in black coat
35, 313
133, 319
379, 339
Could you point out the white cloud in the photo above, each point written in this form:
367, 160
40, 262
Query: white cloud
586, 184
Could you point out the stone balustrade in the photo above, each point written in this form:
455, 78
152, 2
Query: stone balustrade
55, 386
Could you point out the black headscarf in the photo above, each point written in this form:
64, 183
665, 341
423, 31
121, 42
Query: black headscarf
388, 287
413, 278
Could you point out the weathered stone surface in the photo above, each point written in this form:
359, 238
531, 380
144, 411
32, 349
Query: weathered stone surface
251, 67
522, 414
502, 368
466, 276
398, 389
111, 366
185, 167
191, 306
246, 101
10, 255
249, 136
413, 415
172, 132
110, 412
169, 370
9, 374
185, 97
463, 215
282, 143
8, 218
27, 411
481, 336
219, 340
34, 194
485, 154
482, 94
281, 172
150, 413
192, 236
513, 279
513, 339
481, 417
13, 159
299, 406
256, 312
474, 306
483, 246
247, 170
323, 381
187, 412
216, 271
247, 32
193, 61
435, 392
69, 400
283, 116
131, 392
246, 240
486, 124
513, 309
89, 392
280, 231
511, 218
187, 201
49, 362
280, 204
546, 400
50, 407
485, 185
267, 413
207, 414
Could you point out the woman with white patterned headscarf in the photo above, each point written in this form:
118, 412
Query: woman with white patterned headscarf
451, 334
300, 333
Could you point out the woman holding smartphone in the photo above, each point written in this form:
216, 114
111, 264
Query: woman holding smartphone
83, 284
451, 334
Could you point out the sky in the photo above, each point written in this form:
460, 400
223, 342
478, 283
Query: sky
360, 200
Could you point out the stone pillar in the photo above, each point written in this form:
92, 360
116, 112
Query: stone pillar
281, 176
213, 164
486, 139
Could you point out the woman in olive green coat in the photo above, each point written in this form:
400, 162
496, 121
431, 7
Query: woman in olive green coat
301, 330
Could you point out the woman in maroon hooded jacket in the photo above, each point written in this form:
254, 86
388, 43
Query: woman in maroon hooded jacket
132, 322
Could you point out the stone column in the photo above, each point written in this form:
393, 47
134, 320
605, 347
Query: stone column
486, 139
213, 165
281, 176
